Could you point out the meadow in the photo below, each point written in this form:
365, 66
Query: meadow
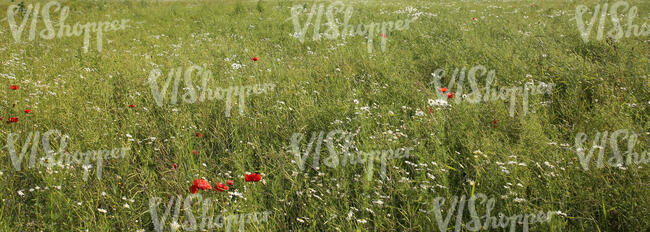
111, 121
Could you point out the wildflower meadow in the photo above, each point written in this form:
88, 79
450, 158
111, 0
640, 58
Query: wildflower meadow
324, 115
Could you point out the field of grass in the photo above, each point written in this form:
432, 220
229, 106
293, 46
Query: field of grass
528, 161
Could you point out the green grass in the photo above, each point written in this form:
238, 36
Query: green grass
599, 86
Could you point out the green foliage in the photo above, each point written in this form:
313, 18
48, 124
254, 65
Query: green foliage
260, 7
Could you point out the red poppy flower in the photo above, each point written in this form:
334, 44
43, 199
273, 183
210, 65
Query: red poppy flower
27, 111
0, 118
12, 119
14, 87
383, 35
202, 184
450, 95
430, 110
198, 134
443, 89
255, 58
194, 189
195, 152
254, 177
220, 187
174, 166
229, 182
131, 106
